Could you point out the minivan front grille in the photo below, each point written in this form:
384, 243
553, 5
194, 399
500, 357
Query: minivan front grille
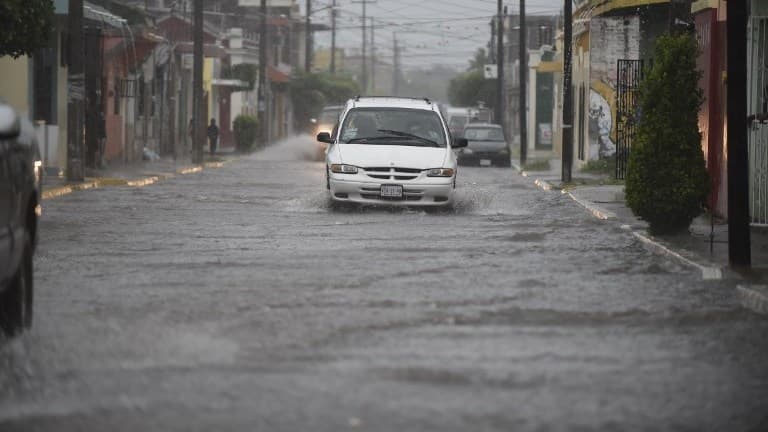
393, 173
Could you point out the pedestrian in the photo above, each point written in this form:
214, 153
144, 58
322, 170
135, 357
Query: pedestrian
102, 136
213, 136
191, 133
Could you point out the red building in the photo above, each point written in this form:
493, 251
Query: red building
711, 34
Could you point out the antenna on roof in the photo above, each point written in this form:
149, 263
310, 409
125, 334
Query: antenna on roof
427, 100
357, 98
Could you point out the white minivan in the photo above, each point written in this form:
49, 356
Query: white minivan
390, 150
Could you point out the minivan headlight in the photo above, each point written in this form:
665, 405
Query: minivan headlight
343, 169
440, 172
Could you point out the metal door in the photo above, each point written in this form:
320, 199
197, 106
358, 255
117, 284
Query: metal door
757, 109
629, 75
6, 208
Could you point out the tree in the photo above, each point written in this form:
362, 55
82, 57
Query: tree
311, 91
667, 180
26, 26
246, 130
470, 87
479, 60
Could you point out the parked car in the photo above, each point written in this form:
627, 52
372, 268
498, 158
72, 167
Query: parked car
391, 150
329, 116
20, 175
486, 146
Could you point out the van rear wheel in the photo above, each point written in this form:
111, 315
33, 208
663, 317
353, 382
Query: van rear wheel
16, 301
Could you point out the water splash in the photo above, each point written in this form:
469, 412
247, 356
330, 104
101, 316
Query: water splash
298, 147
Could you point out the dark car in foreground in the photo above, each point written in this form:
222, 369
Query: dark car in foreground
487, 146
20, 169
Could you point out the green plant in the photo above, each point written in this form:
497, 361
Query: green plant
537, 165
666, 178
245, 72
26, 25
246, 129
605, 165
311, 91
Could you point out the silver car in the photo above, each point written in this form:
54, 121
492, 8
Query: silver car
487, 146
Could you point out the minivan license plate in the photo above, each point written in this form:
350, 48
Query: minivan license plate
391, 191
485, 162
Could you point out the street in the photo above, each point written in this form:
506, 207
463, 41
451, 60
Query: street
238, 299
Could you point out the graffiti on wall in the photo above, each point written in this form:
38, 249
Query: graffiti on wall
611, 39
600, 126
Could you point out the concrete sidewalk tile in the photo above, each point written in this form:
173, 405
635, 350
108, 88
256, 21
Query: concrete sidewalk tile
754, 297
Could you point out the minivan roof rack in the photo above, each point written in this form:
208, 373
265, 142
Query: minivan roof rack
425, 99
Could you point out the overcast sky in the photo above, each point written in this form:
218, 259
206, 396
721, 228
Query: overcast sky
443, 32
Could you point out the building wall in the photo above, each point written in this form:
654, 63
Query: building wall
611, 38
14, 85
710, 62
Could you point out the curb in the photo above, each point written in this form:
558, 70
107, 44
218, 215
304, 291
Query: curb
57, 191
707, 272
592, 208
754, 297
66, 190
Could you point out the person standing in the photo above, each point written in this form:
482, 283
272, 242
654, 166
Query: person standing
213, 136
191, 134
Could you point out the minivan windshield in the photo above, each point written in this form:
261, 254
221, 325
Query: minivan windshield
483, 134
393, 126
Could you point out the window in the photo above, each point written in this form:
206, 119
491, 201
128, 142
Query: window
399, 126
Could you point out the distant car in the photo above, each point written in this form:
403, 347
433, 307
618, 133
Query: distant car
486, 146
327, 121
391, 151
20, 175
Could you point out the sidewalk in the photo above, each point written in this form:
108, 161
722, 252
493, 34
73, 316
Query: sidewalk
136, 174
704, 247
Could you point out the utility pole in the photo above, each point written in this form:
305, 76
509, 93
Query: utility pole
567, 135
364, 64
373, 56
308, 39
739, 242
198, 116
333, 37
76, 93
395, 66
500, 65
262, 93
523, 85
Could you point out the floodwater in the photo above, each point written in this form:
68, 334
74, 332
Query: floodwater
240, 299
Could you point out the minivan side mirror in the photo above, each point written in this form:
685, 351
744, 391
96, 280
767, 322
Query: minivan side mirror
460, 142
324, 137
10, 124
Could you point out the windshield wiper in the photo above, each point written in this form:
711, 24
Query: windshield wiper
408, 135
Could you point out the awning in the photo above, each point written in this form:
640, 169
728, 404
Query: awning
276, 75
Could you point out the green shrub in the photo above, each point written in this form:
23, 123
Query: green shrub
537, 165
606, 165
666, 178
246, 129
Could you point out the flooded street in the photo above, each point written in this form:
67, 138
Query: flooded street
240, 299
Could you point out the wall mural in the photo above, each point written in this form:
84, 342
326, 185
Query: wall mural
600, 126
611, 39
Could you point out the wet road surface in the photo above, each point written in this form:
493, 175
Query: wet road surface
238, 299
